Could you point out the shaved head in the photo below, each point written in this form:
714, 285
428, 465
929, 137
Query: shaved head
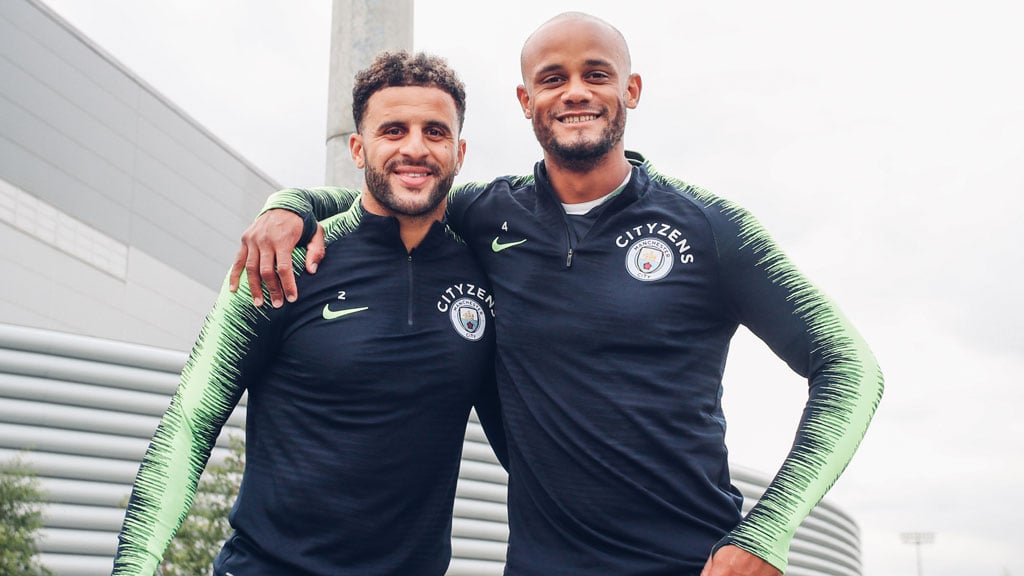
577, 86
557, 26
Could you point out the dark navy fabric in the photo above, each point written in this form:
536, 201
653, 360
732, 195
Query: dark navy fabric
355, 424
611, 384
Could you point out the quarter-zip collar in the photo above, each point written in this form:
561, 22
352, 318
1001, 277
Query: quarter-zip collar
635, 188
552, 213
386, 231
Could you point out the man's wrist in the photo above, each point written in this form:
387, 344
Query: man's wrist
309, 225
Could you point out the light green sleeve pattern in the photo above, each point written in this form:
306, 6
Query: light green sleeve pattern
326, 201
322, 202
837, 419
843, 397
209, 388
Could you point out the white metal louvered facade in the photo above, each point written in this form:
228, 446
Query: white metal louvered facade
81, 410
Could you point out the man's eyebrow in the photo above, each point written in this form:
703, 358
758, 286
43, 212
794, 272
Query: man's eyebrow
385, 126
439, 124
391, 124
592, 63
548, 69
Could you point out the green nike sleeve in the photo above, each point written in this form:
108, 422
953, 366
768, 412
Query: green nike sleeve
806, 329
315, 204
228, 351
321, 203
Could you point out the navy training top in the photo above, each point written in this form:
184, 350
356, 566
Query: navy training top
358, 399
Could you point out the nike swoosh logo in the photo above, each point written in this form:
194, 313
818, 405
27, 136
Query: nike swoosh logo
497, 246
333, 314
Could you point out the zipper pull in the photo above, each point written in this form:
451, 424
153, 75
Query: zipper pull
568, 259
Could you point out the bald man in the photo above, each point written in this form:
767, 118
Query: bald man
620, 289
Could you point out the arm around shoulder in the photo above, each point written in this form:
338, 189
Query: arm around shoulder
288, 219
321, 203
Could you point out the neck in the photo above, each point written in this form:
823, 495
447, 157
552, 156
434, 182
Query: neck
412, 229
574, 184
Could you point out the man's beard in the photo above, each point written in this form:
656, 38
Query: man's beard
580, 156
378, 186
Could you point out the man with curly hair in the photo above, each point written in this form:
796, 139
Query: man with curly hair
358, 397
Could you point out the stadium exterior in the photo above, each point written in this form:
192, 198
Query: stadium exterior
119, 215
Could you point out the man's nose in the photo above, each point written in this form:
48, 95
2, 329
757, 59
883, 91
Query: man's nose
414, 145
576, 90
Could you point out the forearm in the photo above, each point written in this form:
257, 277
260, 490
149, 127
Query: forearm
163, 493
843, 397
319, 202
166, 483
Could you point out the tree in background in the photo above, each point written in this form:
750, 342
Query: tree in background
206, 527
21, 517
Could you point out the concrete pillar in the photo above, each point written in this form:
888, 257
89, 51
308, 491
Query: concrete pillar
359, 30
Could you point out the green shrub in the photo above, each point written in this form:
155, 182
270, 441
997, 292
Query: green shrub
21, 517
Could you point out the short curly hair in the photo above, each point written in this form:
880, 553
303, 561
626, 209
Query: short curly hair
400, 68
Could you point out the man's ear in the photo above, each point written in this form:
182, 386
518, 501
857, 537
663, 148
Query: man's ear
634, 85
461, 156
355, 148
524, 100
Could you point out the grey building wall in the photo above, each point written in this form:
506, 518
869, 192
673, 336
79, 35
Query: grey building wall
119, 214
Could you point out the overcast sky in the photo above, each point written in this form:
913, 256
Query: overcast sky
879, 141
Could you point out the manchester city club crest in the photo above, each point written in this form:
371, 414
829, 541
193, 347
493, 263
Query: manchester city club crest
468, 318
649, 259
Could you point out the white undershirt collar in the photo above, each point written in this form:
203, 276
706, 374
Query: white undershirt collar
584, 207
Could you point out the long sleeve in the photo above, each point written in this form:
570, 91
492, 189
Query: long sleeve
212, 382
321, 203
807, 330
314, 204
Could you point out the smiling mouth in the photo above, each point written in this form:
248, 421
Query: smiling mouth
413, 177
578, 119
412, 171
